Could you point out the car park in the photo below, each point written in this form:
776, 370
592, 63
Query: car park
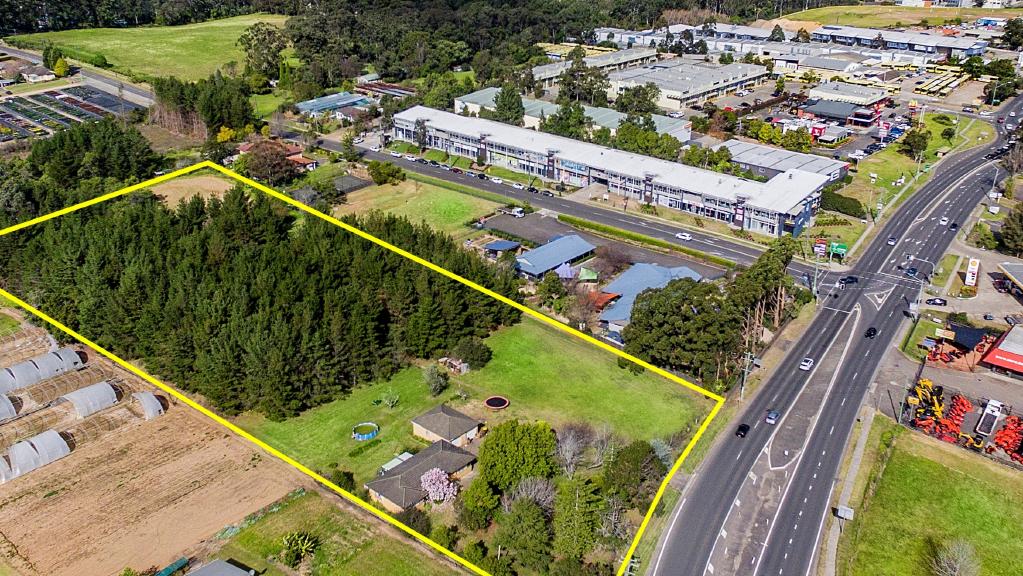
936, 302
806, 364
684, 236
772, 417
742, 430
870, 333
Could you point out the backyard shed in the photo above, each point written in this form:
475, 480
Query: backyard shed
445, 423
151, 406
92, 399
498, 247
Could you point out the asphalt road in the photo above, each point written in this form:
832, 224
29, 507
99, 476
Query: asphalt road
882, 297
736, 251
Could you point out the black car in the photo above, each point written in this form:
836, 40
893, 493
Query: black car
481, 176
953, 226
422, 160
911, 271
871, 332
937, 301
547, 193
742, 430
849, 280
434, 163
533, 190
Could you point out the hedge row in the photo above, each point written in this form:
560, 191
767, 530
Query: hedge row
611, 231
835, 202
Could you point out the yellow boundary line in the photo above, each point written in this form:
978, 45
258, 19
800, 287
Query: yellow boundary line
718, 400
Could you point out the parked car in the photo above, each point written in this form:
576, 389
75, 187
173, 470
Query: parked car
954, 226
870, 333
395, 154
742, 430
497, 181
936, 302
684, 236
456, 170
470, 174
518, 186
989, 316
772, 417
806, 364
1001, 119
434, 163
410, 158
533, 190
374, 148
481, 176
547, 193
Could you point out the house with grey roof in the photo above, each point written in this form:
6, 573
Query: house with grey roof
769, 161
401, 487
562, 250
633, 282
443, 422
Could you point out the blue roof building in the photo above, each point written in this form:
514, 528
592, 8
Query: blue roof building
329, 103
542, 260
501, 245
631, 283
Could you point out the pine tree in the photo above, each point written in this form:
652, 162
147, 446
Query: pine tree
576, 518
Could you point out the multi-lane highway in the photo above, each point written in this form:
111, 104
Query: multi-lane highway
784, 530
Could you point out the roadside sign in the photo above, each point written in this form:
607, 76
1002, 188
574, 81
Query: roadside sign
971, 272
820, 247
839, 248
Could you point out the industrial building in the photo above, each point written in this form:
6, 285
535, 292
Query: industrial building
335, 105
945, 46
851, 93
537, 110
683, 84
548, 74
784, 204
770, 161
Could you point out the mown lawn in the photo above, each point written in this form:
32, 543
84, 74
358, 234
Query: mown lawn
547, 375
189, 52
946, 266
510, 175
930, 494
403, 147
443, 209
871, 16
348, 546
265, 104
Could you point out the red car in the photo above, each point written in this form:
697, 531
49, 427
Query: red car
1001, 119
456, 170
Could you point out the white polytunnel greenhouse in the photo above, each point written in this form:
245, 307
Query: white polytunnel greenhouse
7, 410
92, 399
151, 406
36, 452
34, 370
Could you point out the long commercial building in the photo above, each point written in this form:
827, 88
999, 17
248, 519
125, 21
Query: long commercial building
548, 74
683, 84
947, 46
537, 110
784, 204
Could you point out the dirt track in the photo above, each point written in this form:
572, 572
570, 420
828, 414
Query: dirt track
141, 496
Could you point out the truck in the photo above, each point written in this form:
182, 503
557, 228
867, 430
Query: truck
988, 420
514, 211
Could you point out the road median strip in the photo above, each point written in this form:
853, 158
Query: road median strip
636, 238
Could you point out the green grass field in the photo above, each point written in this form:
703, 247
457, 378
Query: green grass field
946, 266
872, 15
189, 52
928, 494
8, 325
443, 209
265, 104
546, 375
924, 328
511, 175
348, 545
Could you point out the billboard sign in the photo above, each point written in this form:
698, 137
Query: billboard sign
971, 272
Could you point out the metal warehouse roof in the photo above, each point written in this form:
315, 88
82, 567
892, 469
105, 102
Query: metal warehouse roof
539, 261
34, 370
92, 399
688, 78
151, 406
331, 102
36, 452
634, 281
553, 69
911, 38
779, 159
844, 92
780, 194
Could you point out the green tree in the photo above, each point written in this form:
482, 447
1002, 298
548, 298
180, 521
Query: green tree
267, 161
802, 35
263, 43
576, 518
476, 505
61, 68
385, 172
348, 150
777, 34
726, 58
634, 473
508, 106
1013, 33
525, 534
580, 83
639, 99
513, 451
915, 142
798, 140
948, 134
435, 380
569, 121
779, 85
550, 289
472, 350
1012, 232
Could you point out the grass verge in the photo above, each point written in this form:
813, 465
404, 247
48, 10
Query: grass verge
637, 238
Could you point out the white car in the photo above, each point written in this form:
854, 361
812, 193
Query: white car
374, 148
497, 181
943, 221
1012, 114
685, 236
410, 158
357, 141
518, 186
806, 364
395, 154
